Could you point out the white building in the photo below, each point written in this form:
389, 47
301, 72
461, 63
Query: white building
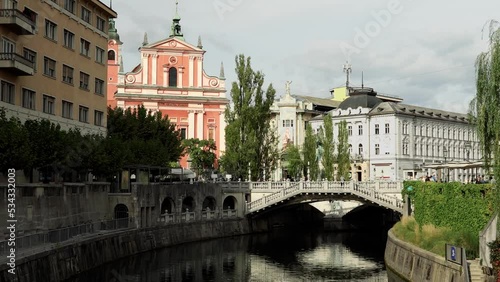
393, 141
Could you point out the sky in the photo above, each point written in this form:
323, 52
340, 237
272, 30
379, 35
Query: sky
422, 51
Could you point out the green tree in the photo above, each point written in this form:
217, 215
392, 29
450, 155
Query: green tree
149, 138
309, 150
16, 152
249, 140
485, 107
294, 161
343, 161
201, 153
327, 142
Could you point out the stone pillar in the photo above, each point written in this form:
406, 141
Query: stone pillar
191, 71
199, 125
190, 124
221, 146
199, 71
179, 78
165, 77
154, 68
145, 66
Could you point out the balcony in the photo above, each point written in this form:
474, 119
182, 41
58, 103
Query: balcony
17, 21
16, 64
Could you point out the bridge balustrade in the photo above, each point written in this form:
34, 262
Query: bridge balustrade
370, 190
208, 215
187, 216
229, 213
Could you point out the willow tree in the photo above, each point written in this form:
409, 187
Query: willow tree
343, 160
310, 156
485, 107
327, 142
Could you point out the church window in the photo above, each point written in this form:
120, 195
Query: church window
111, 55
172, 77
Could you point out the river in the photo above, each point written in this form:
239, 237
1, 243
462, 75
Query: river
283, 255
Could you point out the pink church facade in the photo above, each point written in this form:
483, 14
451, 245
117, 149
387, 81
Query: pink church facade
171, 79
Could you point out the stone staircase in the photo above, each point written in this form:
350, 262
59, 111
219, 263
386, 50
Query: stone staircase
476, 272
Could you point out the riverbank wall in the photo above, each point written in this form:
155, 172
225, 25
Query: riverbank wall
72, 258
410, 263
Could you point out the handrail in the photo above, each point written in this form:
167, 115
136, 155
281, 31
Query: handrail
370, 191
16, 57
7, 13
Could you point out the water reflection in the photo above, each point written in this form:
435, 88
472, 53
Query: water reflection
282, 256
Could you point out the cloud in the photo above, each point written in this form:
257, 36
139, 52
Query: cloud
424, 54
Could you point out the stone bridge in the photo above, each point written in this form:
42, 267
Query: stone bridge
381, 193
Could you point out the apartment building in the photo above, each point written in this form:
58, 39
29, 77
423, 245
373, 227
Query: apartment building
53, 61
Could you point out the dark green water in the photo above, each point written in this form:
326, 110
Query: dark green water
279, 256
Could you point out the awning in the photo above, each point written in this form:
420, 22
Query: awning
455, 165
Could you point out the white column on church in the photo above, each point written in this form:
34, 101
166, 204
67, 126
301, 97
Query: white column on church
222, 138
165, 77
154, 69
199, 125
145, 58
180, 71
199, 71
191, 124
191, 71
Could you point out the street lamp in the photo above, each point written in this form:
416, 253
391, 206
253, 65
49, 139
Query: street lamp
445, 153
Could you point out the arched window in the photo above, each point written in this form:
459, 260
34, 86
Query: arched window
360, 149
172, 77
111, 55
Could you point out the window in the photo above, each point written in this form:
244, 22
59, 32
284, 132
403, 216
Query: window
99, 86
183, 133
386, 128
99, 55
69, 39
360, 149
49, 67
377, 129
67, 109
377, 149
83, 114
84, 47
172, 77
405, 128
211, 133
8, 92
349, 130
86, 15
30, 56
8, 46
350, 149
50, 30
29, 99
48, 104
67, 74
69, 5
101, 24
98, 118
360, 129
405, 149
111, 55
288, 123
415, 150
84, 81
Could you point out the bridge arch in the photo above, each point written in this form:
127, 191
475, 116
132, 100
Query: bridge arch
188, 204
167, 206
209, 204
121, 211
229, 203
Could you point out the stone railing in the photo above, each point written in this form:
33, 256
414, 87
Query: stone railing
380, 186
487, 235
368, 191
170, 218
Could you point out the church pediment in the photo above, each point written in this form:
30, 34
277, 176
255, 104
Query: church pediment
172, 44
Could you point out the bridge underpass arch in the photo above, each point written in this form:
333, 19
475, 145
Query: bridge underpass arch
167, 206
188, 204
120, 211
209, 204
229, 203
